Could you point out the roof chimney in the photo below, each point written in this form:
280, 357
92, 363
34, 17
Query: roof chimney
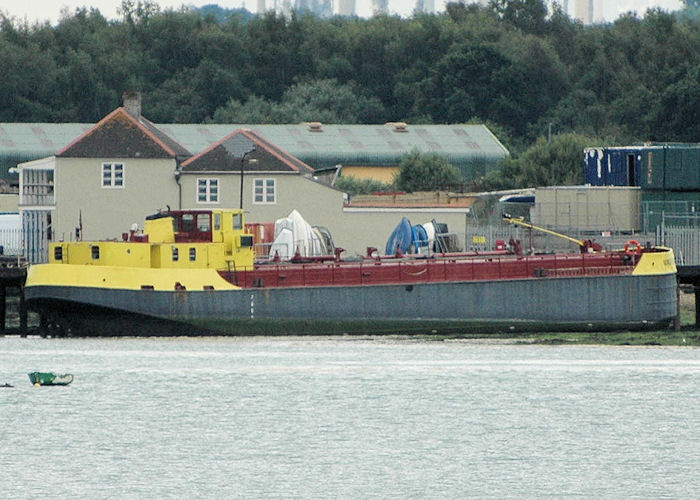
132, 103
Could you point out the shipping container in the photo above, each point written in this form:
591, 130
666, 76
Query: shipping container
652, 167
678, 207
613, 166
588, 208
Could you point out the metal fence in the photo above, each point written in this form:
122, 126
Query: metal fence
484, 237
11, 241
684, 212
682, 233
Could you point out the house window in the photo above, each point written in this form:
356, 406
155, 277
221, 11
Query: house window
112, 175
207, 190
264, 191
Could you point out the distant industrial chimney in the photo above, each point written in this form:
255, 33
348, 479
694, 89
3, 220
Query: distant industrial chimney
346, 7
132, 103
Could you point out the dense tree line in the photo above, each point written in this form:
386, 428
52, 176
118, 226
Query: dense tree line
511, 65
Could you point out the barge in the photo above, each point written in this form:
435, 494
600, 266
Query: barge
193, 272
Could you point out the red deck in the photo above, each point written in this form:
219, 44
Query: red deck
408, 271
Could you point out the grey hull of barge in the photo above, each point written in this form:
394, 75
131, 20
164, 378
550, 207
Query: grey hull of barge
622, 301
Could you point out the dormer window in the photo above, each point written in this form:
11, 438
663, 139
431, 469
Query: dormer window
112, 175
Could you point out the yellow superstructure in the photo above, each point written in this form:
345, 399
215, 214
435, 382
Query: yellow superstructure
211, 239
179, 249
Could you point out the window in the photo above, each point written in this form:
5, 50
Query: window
187, 225
264, 191
112, 175
203, 222
207, 190
193, 253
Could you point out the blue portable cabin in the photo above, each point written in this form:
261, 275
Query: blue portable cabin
619, 166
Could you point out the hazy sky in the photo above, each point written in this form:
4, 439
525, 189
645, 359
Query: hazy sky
50, 9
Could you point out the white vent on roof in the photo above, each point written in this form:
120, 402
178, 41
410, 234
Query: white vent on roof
398, 126
315, 126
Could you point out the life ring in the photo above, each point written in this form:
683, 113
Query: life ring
637, 248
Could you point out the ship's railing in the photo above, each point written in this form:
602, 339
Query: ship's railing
433, 270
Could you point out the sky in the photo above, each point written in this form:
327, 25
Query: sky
43, 10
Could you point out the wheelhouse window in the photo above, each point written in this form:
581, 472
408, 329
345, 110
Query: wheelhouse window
203, 222
264, 191
207, 190
112, 175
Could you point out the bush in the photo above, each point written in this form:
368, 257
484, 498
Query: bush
427, 172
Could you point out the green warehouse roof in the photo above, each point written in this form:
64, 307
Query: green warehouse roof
471, 148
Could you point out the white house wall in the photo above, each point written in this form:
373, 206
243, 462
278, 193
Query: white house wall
311, 199
320, 205
149, 185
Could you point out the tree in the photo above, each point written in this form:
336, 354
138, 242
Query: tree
527, 15
324, 101
353, 185
555, 163
426, 172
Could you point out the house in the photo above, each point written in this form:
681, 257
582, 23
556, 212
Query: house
125, 167
101, 180
273, 183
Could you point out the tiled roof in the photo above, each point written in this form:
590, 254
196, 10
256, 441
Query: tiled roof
261, 156
122, 135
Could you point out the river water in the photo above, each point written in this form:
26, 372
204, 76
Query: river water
347, 418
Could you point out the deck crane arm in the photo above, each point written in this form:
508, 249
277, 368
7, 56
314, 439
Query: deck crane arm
586, 246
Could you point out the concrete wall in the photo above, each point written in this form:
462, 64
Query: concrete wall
9, 202
359, 229
149, 185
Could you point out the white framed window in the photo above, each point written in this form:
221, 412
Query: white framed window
112, 175
264, 191
207, 190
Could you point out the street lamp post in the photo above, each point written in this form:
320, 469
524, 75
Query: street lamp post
242, 168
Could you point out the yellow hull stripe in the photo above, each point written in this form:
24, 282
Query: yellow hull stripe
125, 278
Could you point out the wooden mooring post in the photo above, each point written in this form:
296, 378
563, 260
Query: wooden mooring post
13, 274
